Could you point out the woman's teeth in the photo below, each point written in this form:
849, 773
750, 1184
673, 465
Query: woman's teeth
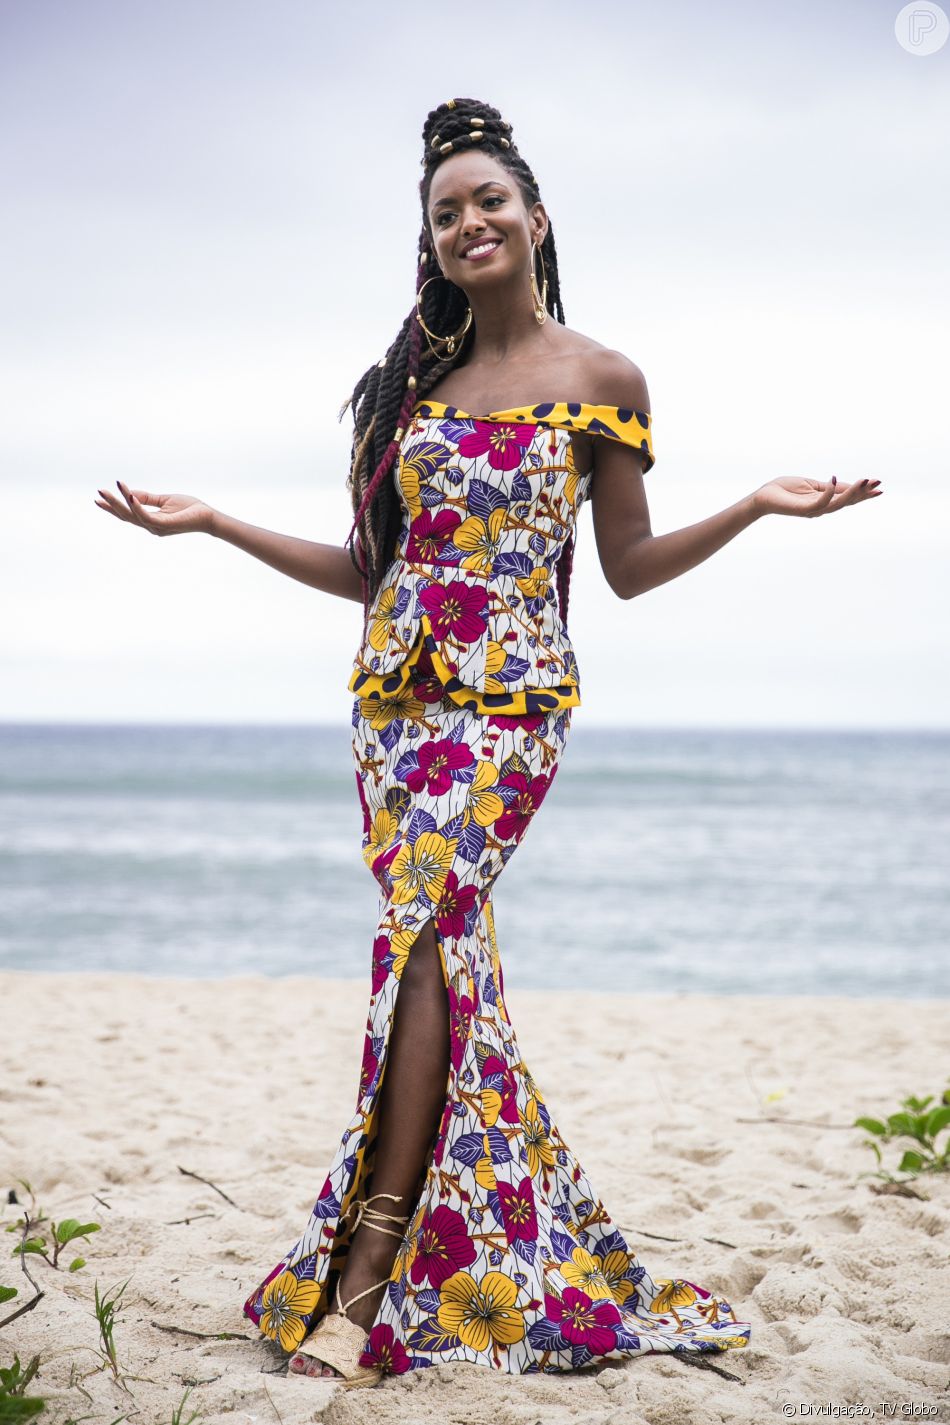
482, 249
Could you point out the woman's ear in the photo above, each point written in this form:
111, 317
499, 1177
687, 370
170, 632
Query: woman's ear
539, 223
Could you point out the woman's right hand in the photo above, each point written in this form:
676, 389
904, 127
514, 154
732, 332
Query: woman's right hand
175, 514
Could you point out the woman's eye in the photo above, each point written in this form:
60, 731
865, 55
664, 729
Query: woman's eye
447, 215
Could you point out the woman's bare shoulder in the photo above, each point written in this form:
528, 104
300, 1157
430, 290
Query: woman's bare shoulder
610, 377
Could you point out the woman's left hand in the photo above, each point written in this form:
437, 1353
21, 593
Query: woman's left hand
795, 495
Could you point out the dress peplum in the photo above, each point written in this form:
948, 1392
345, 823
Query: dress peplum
465, 684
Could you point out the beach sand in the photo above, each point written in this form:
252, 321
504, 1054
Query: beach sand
110, 1084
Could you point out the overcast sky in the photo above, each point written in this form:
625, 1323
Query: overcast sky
209, 231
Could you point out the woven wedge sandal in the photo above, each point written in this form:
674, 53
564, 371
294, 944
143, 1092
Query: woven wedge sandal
337, 1341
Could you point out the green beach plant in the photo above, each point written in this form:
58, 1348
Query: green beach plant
15, 1405
62, 1233
106, 1308
922, 1124
177, 1413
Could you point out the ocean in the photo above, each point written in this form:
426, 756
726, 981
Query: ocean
723, 862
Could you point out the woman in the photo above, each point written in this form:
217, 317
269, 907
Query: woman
455, 1223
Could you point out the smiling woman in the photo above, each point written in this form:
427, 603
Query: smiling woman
500, 1251
503, 1253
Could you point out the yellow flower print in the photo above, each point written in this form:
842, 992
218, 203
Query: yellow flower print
380, 712
536, 584
382, 834
485, 1170
382, 618
495, 657
408, 1246
408, 479
421, 869
484, 805
614, 1267
480, 1312
671, 1295
537, 1141
401, 942
491, 1106
481, 538
287, 1301
570, 484
583, 1271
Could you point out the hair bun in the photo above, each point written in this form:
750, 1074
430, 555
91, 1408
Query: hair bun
460, 124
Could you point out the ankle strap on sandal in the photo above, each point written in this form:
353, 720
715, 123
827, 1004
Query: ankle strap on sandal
342, 1307
374, 1216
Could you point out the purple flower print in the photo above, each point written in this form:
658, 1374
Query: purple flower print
456, 610
504, 444
529, 793
518, 1211
439, 760
369, 1066
461, 1013
582, 1322
444, 1247
381, 964
496, 1069
383, 1350
454, 905
428, 533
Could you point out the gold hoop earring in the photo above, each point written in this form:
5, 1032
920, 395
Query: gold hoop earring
449, 342
540, 298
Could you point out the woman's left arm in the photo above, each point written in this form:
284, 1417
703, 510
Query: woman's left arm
633, 558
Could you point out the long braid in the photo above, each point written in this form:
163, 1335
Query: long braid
384, 397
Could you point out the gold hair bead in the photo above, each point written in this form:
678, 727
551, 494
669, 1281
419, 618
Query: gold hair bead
399, 434
435, 141
477, 123
381, 364
476, 134
450, 103
423, 259
446, 147
504, 143
411, 383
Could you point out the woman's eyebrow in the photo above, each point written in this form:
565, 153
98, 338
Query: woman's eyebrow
491, 183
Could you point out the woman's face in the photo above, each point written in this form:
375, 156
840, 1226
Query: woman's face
481, 230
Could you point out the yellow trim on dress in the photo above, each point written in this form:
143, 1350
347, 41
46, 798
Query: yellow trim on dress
382, 685
629, 427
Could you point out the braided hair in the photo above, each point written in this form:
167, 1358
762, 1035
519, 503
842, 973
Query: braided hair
385, 395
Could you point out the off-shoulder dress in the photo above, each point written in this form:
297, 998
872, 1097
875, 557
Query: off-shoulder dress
465, 682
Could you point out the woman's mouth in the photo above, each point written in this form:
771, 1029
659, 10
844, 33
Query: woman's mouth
483, 249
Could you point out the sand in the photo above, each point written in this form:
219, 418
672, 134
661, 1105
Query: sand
111, 1084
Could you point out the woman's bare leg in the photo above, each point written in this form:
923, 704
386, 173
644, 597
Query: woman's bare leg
410, 1108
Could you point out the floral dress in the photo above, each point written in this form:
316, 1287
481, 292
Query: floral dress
465, 684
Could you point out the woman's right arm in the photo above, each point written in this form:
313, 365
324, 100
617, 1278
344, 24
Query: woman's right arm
322, 566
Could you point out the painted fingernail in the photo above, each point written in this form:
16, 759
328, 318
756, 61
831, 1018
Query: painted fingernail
865, 482
834, 479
